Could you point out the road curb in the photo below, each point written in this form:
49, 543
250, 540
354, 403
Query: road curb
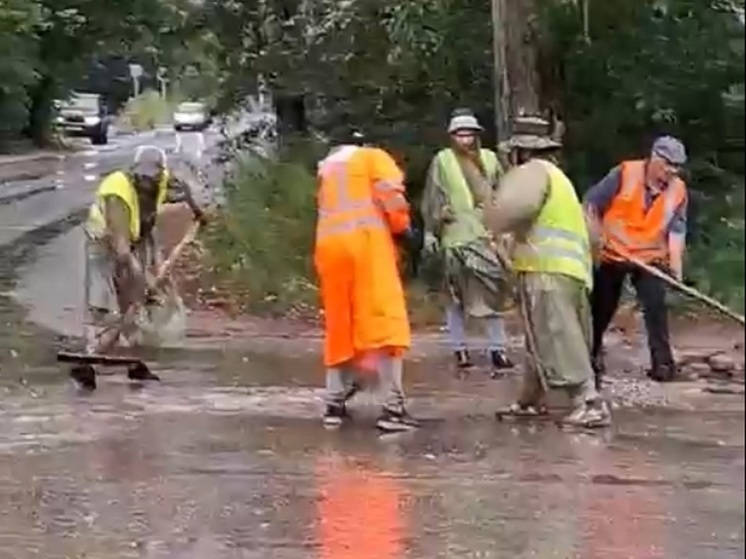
28, 167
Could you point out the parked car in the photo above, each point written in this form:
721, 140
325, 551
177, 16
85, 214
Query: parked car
84, 114
192, 115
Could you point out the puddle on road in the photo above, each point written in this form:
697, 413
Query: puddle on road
201, 472
227, 459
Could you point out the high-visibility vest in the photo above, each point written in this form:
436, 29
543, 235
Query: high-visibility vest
557, 242
453, 178
350, 199
119, 184
629, 228
469, 223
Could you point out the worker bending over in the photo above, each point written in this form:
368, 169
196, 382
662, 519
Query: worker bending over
640, 209
460, 179
121, 249
361, 209
537, 203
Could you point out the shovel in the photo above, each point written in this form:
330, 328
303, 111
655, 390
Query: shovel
690, 291
110, 336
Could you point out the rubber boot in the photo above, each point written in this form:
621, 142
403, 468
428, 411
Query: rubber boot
500, 361
140, 373
84, 377
463, 360
590, 411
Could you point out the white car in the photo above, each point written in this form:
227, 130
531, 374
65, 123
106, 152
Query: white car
191, 116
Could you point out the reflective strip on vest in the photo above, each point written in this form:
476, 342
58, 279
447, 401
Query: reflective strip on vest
346, 215
558, 242
538, 244
452, 176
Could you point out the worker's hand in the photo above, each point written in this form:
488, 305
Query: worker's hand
447, 215
200, 216
430, 244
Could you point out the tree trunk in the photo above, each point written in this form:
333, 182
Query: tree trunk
501, 81
520, 55
40, 114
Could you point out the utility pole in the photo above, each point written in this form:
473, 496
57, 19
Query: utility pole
162, 80
135, 73
501, 82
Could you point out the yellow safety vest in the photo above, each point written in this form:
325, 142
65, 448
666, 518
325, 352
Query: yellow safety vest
119, 184
453, 178
558, 241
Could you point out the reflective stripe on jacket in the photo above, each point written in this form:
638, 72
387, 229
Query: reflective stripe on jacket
348, 201
557, 242
629, 227
119, 184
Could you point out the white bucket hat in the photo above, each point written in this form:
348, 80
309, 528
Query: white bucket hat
464, 122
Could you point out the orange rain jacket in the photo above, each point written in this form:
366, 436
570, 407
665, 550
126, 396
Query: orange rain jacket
629, 229
361, 205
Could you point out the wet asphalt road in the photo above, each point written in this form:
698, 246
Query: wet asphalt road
226, 458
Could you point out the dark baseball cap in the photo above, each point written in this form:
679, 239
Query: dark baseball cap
670, 149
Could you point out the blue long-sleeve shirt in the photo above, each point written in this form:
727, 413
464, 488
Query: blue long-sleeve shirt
600, 196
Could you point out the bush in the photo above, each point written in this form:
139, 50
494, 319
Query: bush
262, 244
145, 112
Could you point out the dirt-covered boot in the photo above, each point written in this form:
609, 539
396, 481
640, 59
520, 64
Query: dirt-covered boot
590, 411
463, 359
141, 373
500, 362
84, 377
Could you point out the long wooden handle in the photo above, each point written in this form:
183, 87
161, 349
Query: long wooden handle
166, 266
110, 336
717, 305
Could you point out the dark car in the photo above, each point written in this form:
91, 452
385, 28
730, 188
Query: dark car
85, 114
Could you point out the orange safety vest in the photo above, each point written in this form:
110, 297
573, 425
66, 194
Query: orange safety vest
629, 229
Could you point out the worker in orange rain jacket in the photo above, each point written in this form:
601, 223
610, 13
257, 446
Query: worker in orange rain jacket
361, 209
640, 210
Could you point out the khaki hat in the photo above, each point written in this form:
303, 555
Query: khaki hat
464, 122
531, 133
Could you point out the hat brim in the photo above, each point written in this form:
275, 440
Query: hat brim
478, 129
530, 141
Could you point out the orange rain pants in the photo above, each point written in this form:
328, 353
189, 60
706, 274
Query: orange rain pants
361, 205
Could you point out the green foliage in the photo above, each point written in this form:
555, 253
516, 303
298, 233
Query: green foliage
261, 245
47, 45
146, 112
629, 71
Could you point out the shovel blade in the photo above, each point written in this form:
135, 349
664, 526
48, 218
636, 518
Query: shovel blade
81, 358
